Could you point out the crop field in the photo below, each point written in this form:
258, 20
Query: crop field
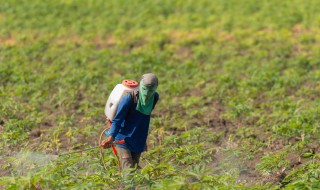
239, 85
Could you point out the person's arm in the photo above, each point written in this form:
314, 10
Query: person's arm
122, 111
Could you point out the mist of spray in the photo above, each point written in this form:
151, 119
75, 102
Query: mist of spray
25, 162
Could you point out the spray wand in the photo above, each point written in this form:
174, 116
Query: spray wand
114, 143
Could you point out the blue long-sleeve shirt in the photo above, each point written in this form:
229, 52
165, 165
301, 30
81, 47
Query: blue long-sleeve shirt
130, 125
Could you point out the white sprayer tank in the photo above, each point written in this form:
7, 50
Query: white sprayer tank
117, 93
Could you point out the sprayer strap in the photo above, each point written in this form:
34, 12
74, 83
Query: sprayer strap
134, 96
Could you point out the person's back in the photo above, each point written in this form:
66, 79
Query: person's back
134, 125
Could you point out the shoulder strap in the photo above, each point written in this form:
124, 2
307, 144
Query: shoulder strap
134, 96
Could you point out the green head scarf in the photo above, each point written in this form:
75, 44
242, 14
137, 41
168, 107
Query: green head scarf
147, 91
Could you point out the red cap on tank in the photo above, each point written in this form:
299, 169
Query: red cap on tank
130, 83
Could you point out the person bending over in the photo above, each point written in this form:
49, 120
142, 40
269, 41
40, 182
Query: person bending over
132, 120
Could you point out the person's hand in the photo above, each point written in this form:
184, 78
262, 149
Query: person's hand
107, 143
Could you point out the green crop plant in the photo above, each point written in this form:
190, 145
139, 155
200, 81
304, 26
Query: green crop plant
272, 164
238, 84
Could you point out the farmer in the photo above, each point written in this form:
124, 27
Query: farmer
132, 120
